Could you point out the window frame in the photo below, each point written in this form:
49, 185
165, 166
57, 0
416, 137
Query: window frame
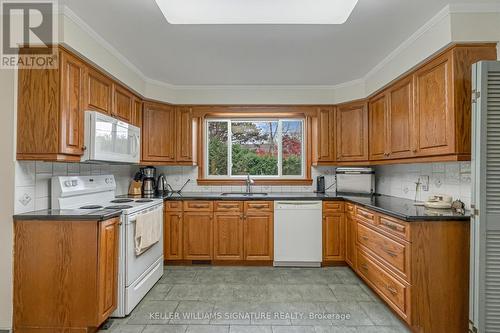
279, 137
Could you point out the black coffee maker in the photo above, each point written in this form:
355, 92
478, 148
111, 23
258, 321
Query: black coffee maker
320, 184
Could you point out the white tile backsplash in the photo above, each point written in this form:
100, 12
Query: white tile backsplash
33, 180
452, 178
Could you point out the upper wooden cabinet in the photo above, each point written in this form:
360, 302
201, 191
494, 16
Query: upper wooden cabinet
352, 132
378, 107
137, 112
98, 92
427, 114
123, 106
50, 111
326, 135
185, 134
391, 122
158, 133
400, 119
169, 134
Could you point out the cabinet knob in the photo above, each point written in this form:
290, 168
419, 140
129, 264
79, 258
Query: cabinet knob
84, 147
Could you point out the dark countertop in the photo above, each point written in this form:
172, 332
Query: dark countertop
400, 208
69, 215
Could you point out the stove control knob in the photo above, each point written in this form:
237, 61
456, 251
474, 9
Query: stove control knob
108, 180
74, 182
67, 183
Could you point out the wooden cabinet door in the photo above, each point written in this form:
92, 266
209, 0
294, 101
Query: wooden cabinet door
198, 235
158, 133
98, 92
400, 119
228, 236
72, 94
434, 125
333, 237
377, 109
172, 235
259, 236
350, 246
352, 132
123, 106
326, 137
184, 134
137, 112
107, 267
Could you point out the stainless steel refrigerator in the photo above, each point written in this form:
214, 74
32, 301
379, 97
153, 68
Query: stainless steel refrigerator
485, 223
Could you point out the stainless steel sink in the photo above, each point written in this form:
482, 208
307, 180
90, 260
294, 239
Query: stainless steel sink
244, 194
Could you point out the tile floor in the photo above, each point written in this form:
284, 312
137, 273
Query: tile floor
259, 299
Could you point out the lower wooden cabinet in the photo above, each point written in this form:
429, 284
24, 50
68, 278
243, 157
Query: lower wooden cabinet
259, 236
350, 239
198, 235
172, 235
228, 235
65, 274
333, 231
219, 230
420, 269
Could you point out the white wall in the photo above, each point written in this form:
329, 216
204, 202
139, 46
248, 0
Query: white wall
452, 178
33, 180
7, 137
476, 23
177, 176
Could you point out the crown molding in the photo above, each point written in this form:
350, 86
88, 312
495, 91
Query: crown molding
67, 12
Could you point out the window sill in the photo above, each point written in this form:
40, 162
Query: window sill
261, 182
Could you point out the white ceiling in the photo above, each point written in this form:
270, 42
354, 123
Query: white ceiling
256, 54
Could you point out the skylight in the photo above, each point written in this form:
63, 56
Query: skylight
256, 11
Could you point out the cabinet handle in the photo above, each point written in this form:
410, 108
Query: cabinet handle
259, 206
198, 206
391, 290
364, 238
84, 147
389, 252
390, 226
364, 266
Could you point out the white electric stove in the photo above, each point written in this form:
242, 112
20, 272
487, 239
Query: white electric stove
136, 274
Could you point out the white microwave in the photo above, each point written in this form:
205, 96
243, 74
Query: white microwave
109, 140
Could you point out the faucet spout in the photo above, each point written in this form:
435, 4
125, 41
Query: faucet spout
249, 182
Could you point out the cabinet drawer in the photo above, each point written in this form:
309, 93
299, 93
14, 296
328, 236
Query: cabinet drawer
228, 206
394, 227
388, 250
365, 215
258, 206
396, 293
333, 206
173, 205
199, 206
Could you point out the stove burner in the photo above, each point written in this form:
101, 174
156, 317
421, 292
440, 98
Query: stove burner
143, 200
91, 207
119, 207
121, 200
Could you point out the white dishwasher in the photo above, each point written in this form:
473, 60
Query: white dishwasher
298, 233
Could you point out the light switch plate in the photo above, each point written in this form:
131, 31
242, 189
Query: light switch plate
424, 179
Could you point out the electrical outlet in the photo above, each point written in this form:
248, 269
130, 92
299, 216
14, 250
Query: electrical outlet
424, 179
25, 199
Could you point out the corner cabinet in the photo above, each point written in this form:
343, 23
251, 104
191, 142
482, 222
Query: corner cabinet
65, 274
50, 111
352, 132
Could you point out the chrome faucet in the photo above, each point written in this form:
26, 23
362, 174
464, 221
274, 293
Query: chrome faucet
249, 182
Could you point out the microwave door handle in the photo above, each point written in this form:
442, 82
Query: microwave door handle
136, 144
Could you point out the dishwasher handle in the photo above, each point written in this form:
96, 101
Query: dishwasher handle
298, 205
